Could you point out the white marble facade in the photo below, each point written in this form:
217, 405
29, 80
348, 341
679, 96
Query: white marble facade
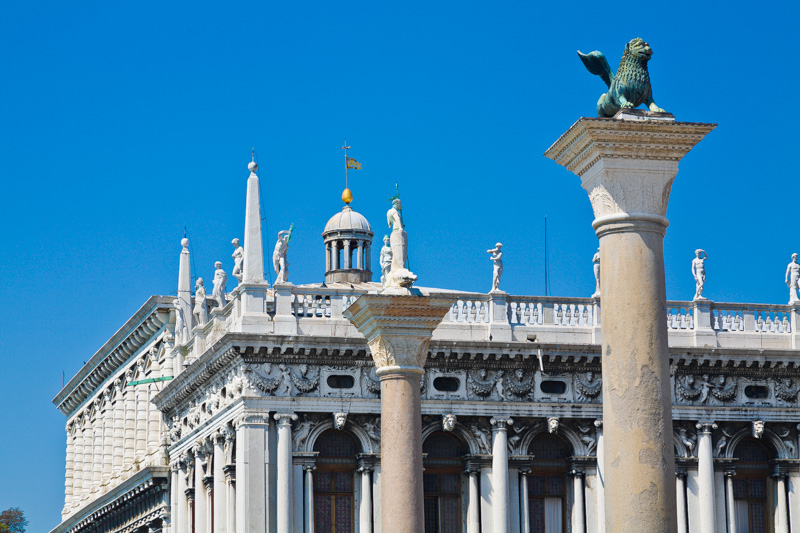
267, 417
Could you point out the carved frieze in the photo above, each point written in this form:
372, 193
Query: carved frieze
705, 389
587, 386
285, 380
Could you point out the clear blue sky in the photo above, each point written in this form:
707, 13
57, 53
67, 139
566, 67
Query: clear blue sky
121, 123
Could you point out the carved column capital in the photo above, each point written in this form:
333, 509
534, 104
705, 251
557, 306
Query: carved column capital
524, 471
681, 472
250, 419
729, 472
285, 419
599, 424
500, 423
706, 426
398, 329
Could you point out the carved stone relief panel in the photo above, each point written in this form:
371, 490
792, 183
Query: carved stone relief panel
340, 381
284, 380
552, 387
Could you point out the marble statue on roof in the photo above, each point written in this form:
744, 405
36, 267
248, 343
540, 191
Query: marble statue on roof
220, 282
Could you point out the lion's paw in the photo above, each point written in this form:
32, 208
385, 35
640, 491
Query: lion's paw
627, 104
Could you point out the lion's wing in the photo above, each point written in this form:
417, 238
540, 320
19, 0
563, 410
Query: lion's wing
596, 63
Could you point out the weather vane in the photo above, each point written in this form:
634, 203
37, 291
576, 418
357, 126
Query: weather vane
349, 163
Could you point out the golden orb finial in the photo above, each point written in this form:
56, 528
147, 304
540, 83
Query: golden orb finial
347, 196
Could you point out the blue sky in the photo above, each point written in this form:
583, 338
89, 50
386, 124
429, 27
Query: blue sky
122, 123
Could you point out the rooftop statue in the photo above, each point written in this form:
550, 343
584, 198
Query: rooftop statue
596, 268
497, 269
793, 279
630, 86
699, 273
386, 259
200, 311
279, 259
220, 282
399, 275
238, 259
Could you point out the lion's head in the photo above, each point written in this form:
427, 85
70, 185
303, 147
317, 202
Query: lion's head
639, 49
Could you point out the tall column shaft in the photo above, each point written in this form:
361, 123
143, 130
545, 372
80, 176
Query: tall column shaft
731, 506
119, 430
220, 508
200, 503
627, 166
474, 503
401, 453
360, 256
500, 505
398, 330
70, 469
365, 506
178, 504
600, 488
284, 487
781, 511
705, 477
680, 489
348, 256
524, 504
129, 436
578, 503
252, 451
309, 498
77, 472
335, 255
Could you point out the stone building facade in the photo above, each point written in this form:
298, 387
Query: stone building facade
267, 416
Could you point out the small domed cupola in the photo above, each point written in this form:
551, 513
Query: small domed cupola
348, 243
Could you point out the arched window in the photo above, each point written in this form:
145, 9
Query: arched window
334, 481
547, 484
750, 495
442, 483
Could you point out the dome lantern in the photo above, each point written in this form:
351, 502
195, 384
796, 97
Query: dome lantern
348, 247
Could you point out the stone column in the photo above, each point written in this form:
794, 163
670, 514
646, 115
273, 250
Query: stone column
178, 503
600, 489
189, 478
77, 471
347, 256
398, 329
153, 424
229, 472
368, 257
705, 476
360, 256
365, 506
627, 166
174, 468
88, 453
140, 435
680, 490
308, 495
781, 509
578, 501
335, 255
472, 469
327, 257
220, 507
252, 486
70, 469
200, 501
730, 500
284, 487
524, 504
107, 419
500, 507
129, 437
97, 452
119, 430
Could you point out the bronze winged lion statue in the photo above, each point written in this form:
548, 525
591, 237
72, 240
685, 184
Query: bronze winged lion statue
630, 86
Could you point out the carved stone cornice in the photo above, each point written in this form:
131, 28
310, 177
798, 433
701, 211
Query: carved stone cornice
116, 352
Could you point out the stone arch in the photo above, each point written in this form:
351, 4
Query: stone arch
459, 431
351, 428
773, 442
568, 435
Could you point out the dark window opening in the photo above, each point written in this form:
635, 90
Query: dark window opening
756, 392
553, 387
340, 381
446, 384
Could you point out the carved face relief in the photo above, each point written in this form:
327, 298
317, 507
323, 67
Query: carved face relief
758, 428
552, 424
448, 422
339, 420
519, 373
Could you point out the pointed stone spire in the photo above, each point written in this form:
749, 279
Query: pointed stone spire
253, 268
185, 284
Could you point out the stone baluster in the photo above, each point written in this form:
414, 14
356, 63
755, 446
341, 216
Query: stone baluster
284, 486
398, 330
680, 490
69, 478
365, 506
524, 502
578, 500
627, 167
705, 476
500, 507
731, 505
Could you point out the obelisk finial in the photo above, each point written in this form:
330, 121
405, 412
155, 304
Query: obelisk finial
253, 268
